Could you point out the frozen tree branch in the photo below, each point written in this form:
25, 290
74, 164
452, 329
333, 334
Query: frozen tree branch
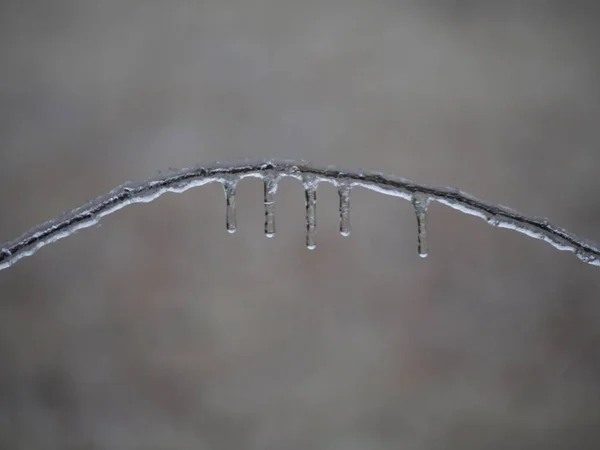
271, 172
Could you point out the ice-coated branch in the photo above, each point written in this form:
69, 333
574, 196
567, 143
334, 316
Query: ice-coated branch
271, 172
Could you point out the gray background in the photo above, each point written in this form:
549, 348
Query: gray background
158, 330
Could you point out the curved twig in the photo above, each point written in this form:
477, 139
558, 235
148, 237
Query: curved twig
271, 172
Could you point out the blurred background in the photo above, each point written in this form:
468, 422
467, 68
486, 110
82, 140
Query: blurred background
159, 330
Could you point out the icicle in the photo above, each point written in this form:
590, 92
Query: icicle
270, 184
310, 193
229, 187
344, 192
420, 203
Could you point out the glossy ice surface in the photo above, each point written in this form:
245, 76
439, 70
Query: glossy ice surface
229, 175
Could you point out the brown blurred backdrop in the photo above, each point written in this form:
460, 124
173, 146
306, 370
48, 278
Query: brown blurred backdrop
158, 330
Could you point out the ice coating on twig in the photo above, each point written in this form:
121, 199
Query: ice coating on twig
420, 204
229, 186
310, 200
181, 180
270, 189
344, 191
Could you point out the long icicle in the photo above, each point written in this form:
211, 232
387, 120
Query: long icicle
229, 186
421, 203
270, 189
310, 195
344, 191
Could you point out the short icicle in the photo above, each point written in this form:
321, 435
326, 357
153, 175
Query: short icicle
229, 186
270, 189
344, 191
310, 194
421, 203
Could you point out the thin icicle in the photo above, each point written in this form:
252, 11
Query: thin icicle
270, 189
229, 186
344, 191
421, 203
310, 194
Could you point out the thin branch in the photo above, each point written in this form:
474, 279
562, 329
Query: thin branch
271, 172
